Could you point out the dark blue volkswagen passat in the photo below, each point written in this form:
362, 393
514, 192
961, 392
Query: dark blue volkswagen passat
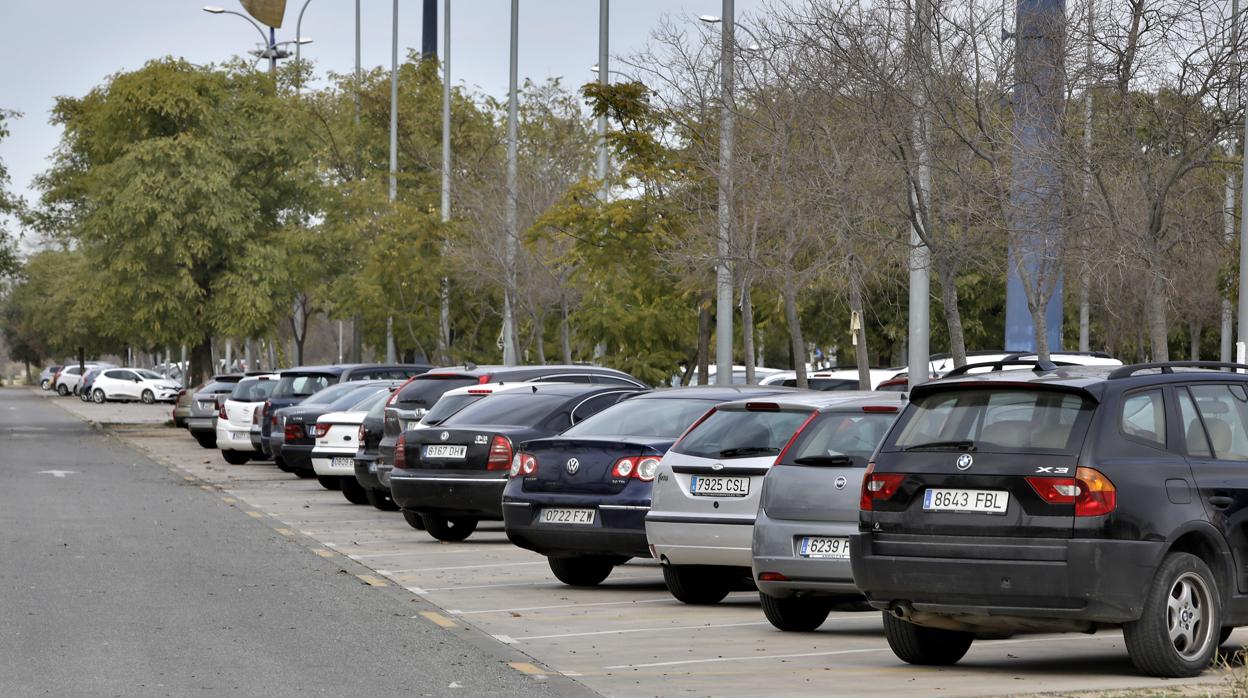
453, 474
581, 498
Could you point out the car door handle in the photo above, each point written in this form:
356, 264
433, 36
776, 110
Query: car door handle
1221, 502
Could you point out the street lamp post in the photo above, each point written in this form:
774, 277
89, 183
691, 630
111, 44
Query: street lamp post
272, 49
511, 232
394, 147
444, 316
604, 18
723, 238
298, 44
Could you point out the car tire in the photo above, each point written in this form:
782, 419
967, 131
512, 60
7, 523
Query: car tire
100, 398
695, 584
919, 644
414, 519
236, 457
583, 571
381, 500
795, 614
205, 439
330, 482
450, 529
43, 384
84, 396
62, 389
352, 490
148, 397
1177, 634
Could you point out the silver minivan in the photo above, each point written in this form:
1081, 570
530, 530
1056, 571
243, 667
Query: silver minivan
810, 509
708, 487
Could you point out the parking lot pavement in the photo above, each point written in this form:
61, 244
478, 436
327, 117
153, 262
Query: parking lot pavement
628, 636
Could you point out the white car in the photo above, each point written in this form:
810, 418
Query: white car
840, 379
337, 440
738, 374
133, 384
707, 488
943, 363
68, 379
236, 415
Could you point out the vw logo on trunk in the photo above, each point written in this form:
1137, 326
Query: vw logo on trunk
573, 465
444, 435
965, 461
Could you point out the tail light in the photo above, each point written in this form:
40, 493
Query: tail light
500, 454
268, 412
523, 464
360, 435
639, 467
483, 379
878, 487
400, 452
293, 432
321, 429
793, 438
256, 413
772, 577
1090, 491
221, 411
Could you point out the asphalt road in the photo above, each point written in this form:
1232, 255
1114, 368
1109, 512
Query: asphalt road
122, 577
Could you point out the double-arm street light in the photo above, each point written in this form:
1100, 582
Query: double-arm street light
273, 50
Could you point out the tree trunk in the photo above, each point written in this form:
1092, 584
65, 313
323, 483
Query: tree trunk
704, 339
946, 271
1195, 328
1040, 322
30, 379
539, 341
1155, 305
796, 342
201, 367
565, 332
747, 331
859, 332
1085, 305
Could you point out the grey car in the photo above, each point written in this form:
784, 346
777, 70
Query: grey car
809, 510
205, 404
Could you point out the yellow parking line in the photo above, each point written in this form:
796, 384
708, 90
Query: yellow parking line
206, 488
527, 668
188, 478
438, 619
255, 514
229, 500
323, 552
371, 580
285, 531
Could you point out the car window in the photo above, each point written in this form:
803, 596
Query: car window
354, 397
218, 387
448, 405
1143, 416
517, 408
662, 418
423, 392
114, 374
565, 378
996, 419
832, 434
1224, 411
741, 433
151, 375
1194, 432
331, 394
613, 380
253, 390
301, 385
594, 405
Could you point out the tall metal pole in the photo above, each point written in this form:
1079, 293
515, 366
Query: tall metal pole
272, 53
512, 233
357, 339
1243, 219
298, 46
444, 318
919, 330
1085, 269
604, 18
394, 146
723, 273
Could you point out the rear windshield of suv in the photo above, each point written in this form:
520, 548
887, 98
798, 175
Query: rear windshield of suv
517, 408
253, 390
741, 434
996, 420
302, 384
219, 387
423, 392
840, 438
661, 418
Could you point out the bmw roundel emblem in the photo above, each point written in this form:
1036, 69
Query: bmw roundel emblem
573, 465
965, 461
841, 482
444, 435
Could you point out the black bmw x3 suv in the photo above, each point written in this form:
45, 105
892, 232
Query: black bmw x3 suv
1047, 499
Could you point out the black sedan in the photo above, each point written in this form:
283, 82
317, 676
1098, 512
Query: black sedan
453, 474
581, 498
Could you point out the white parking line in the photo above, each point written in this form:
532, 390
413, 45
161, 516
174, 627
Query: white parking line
668, 628
530, 584
837, 653
564, 605
460, 567
369, 556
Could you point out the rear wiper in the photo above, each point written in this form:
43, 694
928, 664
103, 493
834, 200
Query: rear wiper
964, 445
746, 451
824, 460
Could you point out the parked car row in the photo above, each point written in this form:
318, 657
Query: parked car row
1006, 497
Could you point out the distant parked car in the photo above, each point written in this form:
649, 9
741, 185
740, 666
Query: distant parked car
409, 403
810, 510
66, 382
708, 487
337, 434
580, 498
182, 406
294, 437
452, 475
88, 379
837, 379
133, 384
46, 376
202, 420
235, 416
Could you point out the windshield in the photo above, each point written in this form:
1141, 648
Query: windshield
996, 419
219, 387
253, 390
301, 385
424, 391
657, 417
844, 438
150, 375
332, 394
516, 408
372, 402
377, 410
741, 434
354, 397
448, 405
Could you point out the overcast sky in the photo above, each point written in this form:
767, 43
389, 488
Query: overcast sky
65, 47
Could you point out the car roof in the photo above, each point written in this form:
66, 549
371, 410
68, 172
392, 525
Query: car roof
823, 401
491, 388
720, 393
494, 369
571, 390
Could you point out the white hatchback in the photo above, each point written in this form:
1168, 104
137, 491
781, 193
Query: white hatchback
133, 384
337, 441
707, 490
236, 415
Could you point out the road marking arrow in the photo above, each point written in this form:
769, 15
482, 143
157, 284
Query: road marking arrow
58, 473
